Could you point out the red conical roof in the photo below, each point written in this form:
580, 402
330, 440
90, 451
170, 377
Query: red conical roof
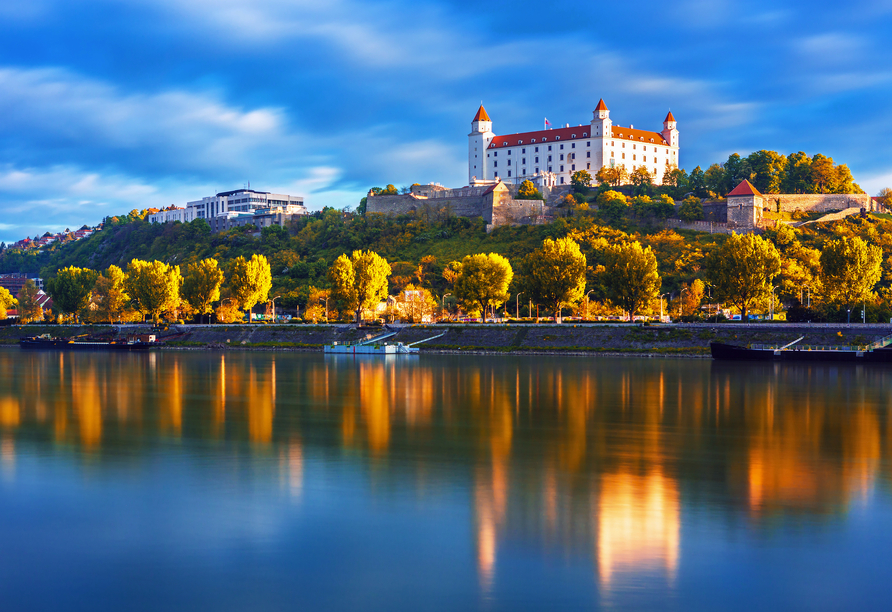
745, 188
481, 115
669, 117
601, 106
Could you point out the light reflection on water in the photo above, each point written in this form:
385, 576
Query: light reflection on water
440, 482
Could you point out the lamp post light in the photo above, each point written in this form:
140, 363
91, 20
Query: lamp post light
517, 305
848, 315
274, 306
443, 302
681, 303
661, 306
326, 307
586, 303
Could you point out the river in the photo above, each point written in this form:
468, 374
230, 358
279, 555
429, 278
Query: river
285, 481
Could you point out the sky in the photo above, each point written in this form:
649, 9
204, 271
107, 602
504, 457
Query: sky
107, 106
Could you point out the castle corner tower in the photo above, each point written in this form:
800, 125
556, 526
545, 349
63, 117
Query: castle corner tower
478, 140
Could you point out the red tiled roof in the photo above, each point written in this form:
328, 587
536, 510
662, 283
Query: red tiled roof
481, 115
601, 106
580, 131
669, 117
745, 188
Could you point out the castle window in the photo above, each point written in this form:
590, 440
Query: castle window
588, 153
495, 164
549, 147
505, 144
509, 151
523, 171
588, 166
562, 147
633, 146
634, 158
624, 156
589, 143
537, 149
509, 162
509, 173
549, 158
573, 167
519, 142
572, 135
562, 157
537, 160
562, 168
534, 140
495, 153
524, 160
549, 168
523, 150
651, 139
584, 134
573, 145
644, 158
497, 175
562, 180
557, 137
537, 170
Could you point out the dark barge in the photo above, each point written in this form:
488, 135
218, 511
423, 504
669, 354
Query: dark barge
81, 343
878, 352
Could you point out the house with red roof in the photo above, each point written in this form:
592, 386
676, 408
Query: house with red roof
550, 156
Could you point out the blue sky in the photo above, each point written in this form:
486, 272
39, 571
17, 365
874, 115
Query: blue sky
106, 106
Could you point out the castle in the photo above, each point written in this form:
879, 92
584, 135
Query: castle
550, 157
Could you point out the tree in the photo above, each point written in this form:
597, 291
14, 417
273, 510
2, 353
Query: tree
768, 169
415, 304
714, 180
849, 270
153, 286
483, 281
691, 209
6, 302
581, 179
110, 298
29, 308
71, 289
885, 196
528, 191
389, 190
612, 205
201, 285
359, 281
797, 178
555, 274
742, 270
250, 280
615, 176
630, 276
641, 179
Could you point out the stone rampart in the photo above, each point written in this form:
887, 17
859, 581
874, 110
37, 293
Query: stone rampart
816, 202
474, 206
517, 212
705, 226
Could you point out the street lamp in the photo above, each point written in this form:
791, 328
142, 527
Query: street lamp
325, 299
274, 306
517, 304
848, 315
681, 303
661, 306
586, 303
443, 301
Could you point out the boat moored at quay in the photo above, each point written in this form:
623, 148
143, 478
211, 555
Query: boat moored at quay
877, 352
86, 343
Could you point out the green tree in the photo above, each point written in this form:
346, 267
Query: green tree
885, 196
691, 209
641, 179
390, 190
6, 302
250, 280
742, 270
201, 285
71, 288
768, 169
109, 295
483, 281
630, 276
555, 274
528, 191
714, 180
697, 182
849, 270
154, 286
612, 205
797, 178
29, 308
359, 281
581, 179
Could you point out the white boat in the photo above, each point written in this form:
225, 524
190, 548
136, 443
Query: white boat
376, 346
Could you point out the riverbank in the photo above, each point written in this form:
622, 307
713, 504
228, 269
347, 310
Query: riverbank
690, 340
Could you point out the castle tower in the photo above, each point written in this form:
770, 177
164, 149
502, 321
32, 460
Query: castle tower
479, 138
670, 131
601, 122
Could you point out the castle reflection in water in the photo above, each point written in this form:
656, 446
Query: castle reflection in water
592, 456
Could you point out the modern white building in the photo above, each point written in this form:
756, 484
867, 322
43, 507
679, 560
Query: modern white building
551, 156
229, 203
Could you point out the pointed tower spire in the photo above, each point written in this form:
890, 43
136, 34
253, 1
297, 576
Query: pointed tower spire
601, 106
669, 118
481, 115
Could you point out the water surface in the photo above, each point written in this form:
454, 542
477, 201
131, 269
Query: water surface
264, 481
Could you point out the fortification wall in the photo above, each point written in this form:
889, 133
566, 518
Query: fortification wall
705, 226
816, 202
404, 204
516, 212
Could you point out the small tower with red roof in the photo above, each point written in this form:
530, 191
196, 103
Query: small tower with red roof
670, 130
478, 140
745, 205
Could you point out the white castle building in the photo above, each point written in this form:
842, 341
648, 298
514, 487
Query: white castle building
550, 157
